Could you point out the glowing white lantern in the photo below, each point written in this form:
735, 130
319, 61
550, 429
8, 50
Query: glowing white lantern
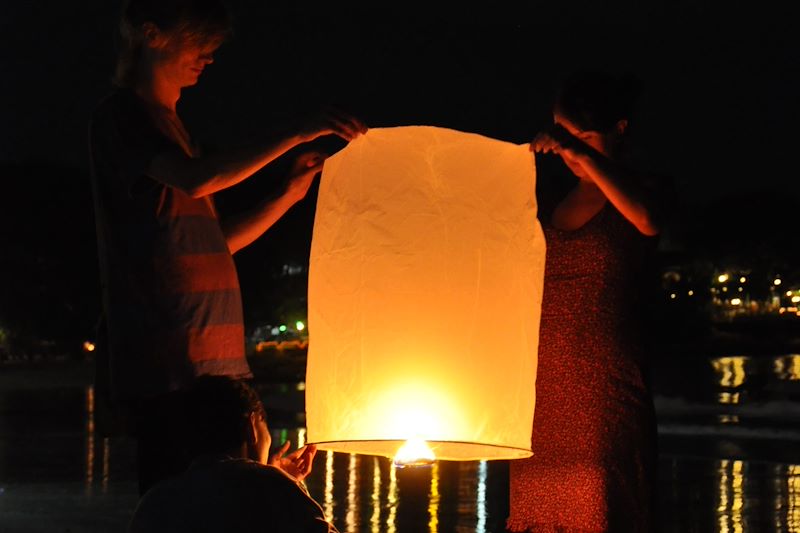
425, 289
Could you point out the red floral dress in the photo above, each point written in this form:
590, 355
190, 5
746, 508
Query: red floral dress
594, 428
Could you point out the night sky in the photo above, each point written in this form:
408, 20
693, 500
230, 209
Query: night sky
721, 105
720, 112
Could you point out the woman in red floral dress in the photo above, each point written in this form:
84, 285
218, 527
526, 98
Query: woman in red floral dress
594, 437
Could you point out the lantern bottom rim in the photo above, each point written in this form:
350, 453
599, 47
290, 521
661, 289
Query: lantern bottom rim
444, 450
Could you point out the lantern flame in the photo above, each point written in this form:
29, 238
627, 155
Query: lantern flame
415, 452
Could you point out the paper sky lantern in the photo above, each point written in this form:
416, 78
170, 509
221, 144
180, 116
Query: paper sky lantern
425, 289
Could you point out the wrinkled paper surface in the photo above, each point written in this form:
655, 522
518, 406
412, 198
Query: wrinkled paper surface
425, 288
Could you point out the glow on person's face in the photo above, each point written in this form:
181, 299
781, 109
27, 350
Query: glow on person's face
186, 61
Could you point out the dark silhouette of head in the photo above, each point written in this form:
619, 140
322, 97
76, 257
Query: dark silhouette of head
220, 412
598, 101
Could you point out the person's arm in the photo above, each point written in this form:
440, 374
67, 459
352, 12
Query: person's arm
211, 173
242, 229
632, 193
635, 194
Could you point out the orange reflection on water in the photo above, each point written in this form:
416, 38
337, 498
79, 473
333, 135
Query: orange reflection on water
730, 370
793, 498
787, 367
106, 457
375, 520
352, 518
392, 504
328, 507
731, 496
729, 397
433, 500
89, 437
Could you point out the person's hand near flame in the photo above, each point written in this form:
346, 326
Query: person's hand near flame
297, 464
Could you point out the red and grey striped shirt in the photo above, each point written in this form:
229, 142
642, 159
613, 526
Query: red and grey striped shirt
170, 287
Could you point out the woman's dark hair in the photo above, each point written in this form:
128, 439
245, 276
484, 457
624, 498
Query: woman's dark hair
218, 410
193, 21
596, 101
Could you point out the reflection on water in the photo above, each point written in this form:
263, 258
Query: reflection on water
729, 461
728, 397
392, 505
731, 373
352, 518
728, 419
734, 484
433, 498
481, 497
365, 493
792, 498
91, 445
106, 464
731, 496
89, 438
730, 370
467, 485
329, 486
375, 520
787, 367
787, 498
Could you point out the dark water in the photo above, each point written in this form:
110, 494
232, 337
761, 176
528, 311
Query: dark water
729, 458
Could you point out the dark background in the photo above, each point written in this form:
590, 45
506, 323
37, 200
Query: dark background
719, 115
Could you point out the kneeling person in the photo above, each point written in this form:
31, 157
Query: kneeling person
232, 484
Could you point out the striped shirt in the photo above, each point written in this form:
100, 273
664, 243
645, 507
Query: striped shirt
170, 287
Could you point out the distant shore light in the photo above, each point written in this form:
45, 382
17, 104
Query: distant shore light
300, 326
743, 280
736, 301
722, 278
777, 281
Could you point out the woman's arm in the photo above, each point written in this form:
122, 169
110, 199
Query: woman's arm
634, 194
242, 229
639, 197
208, 174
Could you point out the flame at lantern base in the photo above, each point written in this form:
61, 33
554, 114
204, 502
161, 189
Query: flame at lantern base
415, 452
